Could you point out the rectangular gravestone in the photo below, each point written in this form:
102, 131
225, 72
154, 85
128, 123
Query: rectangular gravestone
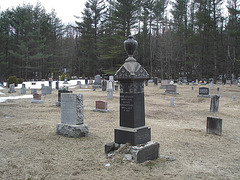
171, 89
228, 82
23, 89
11, 88
37, 98
86, 82
204, 92
101, 106
72, 116
46, 90
104, 85
155, 80
164, 83
33, 91
97, 81
72, 109
171, 101
214, 103
110, 93
59, 96
57, 85
214, 126
79, 84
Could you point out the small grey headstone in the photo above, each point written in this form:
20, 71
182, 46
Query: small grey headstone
171, 101
104, 85
110, 93
11, 88
46, 90
214, 126
214, 103
79, 84
33, 91
171, 89
234, 98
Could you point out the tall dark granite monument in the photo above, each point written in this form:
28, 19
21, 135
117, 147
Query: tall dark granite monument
131, 76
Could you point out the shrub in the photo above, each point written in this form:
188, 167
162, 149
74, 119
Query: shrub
55, 75
11, 80
62, 77
68, 77
20, 80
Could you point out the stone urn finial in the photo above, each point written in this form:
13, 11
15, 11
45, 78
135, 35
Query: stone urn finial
130, 46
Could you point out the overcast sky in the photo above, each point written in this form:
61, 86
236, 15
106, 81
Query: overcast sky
65, 9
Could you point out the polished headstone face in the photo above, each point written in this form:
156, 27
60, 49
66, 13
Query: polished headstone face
72, 109
101, 104
214, 125
132, 111
104, 85
203, 91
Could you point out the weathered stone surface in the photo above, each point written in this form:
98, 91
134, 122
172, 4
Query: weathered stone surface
214, 103
46, 90
23, 90
73, 131
72, 109
33, 91
109, 147
134, 136
171, 89
104, 85
131, 69
214, 126
59, 96
164, 83
149, 151
110, 93
11, 88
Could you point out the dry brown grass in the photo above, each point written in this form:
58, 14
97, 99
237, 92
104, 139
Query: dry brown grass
31, 149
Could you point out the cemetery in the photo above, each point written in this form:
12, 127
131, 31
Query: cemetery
189, 146
153, 130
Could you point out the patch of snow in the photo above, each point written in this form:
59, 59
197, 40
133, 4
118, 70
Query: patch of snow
4, 99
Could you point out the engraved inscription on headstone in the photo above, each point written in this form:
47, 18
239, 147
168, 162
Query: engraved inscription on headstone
204, 92
72, 108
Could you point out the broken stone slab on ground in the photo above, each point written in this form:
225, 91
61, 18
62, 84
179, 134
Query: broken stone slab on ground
138, 154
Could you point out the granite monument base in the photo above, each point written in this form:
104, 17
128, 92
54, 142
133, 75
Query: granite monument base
101, 110
73, 131
138, 154
149, 151
37, 101
134, 136
205, 96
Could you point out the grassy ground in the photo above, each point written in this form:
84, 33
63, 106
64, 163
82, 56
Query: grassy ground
31, 149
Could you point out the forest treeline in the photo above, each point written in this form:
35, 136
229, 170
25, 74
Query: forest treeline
194, 39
